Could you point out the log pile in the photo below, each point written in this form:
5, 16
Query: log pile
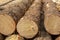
29, 19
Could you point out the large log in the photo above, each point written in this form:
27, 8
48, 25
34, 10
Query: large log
52, 17
29, 23
43, 36
14, 37
10, 13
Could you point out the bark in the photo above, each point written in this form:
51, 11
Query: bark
43, 36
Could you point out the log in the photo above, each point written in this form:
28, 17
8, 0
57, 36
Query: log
1, 37
14, 37
28, 24
11, 13
58, 38
52, 17
43, 36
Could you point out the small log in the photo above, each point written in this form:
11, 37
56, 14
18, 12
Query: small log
28, 24
7, 25
43, 36
14, 37
11, 13
52, 17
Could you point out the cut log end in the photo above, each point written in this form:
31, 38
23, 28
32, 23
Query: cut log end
52, 24
58, 38
14, 37
27, 28
7, 24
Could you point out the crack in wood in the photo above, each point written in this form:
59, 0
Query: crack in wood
6, 3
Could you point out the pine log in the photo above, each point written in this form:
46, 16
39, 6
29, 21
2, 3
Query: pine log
52, 17
11, 13
43, 36
14, 37
28, 24
58, 38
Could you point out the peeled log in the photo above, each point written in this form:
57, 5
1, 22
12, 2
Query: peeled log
14, 37
58, 38
29, 23
52, 17
43, 36
10, 13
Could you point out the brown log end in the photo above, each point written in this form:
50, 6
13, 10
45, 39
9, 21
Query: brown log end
27, 28
7, 24
52, 24
14, 37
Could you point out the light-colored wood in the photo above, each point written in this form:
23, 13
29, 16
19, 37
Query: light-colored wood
11, 13
14, 37
52, 17
7, 24
29, 23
